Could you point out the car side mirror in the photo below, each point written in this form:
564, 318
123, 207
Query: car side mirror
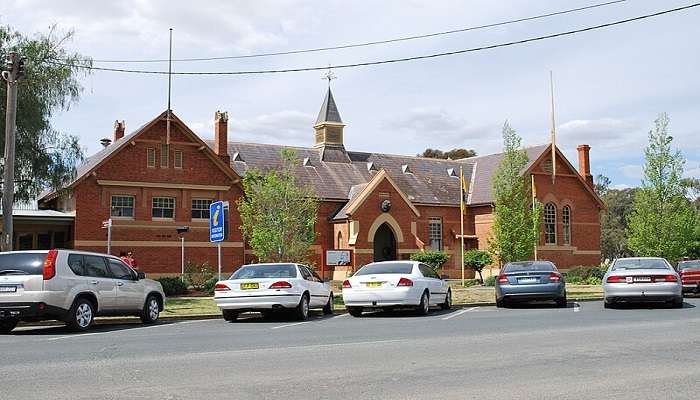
140, 275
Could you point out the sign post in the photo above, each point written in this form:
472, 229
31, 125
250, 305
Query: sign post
108, 224
217, 227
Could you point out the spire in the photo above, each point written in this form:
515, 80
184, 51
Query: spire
329, 111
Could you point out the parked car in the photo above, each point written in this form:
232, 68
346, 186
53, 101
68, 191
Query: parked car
524, 281
689, 271
273, 287
393, 284
642, 279
74, 287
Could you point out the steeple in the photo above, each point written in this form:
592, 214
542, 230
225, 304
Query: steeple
329, 131
329, 111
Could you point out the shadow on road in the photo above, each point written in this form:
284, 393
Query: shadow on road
647, 306
405, 312
102, 326
279, 316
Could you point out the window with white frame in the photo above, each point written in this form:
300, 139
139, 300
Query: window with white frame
122, 206
435, 233
200, 208
566, 223
550, 223
164, 155
163, 207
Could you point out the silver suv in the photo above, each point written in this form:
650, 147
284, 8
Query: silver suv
74, 287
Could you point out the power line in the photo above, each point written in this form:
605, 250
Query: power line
373, 43
389, 61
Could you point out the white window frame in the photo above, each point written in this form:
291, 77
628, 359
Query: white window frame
566, 225
550, 220
433, 233
177, 153
160, 198
123, 196
192, 209
164, 155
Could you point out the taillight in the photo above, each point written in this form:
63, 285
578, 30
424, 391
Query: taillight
346, 284
554, 277
50, 265
502, 278
281, 285
666, 278
616, 279
220, 287
405, 282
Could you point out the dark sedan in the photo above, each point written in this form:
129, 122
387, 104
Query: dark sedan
528, 281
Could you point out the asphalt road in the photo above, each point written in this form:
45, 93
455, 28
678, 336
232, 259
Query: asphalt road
581, 352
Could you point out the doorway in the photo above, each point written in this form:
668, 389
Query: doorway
384, 243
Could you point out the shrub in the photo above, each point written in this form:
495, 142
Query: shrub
582, 274
172, 286
490, 281
209, 285
594, 280
476, 260
433, 259
197, 275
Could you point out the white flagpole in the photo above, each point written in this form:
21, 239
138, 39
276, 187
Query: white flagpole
554, 130
461, 218
170, 76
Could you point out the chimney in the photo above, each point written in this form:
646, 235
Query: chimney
119, 127
584, 163
221, 135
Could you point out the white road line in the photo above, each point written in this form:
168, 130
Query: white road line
288, 325
458, 313
339, 316
138, 328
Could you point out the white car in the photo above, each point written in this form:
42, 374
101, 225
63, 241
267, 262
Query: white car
273, 287
393, 284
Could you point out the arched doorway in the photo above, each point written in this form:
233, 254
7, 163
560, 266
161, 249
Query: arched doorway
384, 243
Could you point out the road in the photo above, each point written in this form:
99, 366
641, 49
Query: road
580, 352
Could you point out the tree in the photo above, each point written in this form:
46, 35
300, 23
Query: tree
516, 226
45, 157
476, 260
433, 259
613, 220
662, 221
454, 154
278, 215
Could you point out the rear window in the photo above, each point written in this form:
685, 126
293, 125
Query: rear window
640, 263
265, 271
688, 265
385, 268
22, 263
528, 266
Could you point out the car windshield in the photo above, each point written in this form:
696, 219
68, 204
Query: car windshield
265, 271
685, 265
385, 268
528, 266
640, 263
22, 263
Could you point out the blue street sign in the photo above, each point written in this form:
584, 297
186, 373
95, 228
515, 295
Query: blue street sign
217, 222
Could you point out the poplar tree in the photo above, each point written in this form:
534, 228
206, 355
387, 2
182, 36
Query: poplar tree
662, 221
516, 225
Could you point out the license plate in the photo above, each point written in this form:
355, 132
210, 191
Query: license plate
528, 280
373, 284
8, 289
246, 286
641, 279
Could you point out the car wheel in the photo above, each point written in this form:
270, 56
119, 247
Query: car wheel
448, 301
355, 311
230, 315
561, 302
424, 306
500, 303
608, 304
266, 314
7, 325
81, 315
151, 310
678, 303
302, 310
328, 308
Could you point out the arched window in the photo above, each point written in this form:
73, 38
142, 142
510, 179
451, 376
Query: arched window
550, 223
566, 222
340, 240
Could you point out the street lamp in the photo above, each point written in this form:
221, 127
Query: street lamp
181, 230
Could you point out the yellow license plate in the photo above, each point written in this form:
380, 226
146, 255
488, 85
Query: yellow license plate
373, 284
245, 286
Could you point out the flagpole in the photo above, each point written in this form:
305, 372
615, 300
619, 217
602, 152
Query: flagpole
554, 129
170, 75
534, 199
461, 218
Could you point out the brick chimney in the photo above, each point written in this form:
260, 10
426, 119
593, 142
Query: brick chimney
221, 135
119, 128
584, 163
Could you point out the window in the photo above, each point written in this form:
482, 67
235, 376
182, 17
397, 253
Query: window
435, 233
340, 240
29, 263
119, 270
566, 222
305, 273
164, 153
427, 271
163, 207
177, 154
200, 208
75, 263
95, 266
550, 223
525, 266
265, 271
151, 157
386, 268
122, 206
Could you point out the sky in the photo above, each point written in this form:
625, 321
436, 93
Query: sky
610, 84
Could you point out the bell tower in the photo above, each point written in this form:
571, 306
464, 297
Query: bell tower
329, 131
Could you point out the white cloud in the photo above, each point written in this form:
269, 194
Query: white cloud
692, 169
609, 137
620, 186
632, 171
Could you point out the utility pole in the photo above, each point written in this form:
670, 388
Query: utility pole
14, 67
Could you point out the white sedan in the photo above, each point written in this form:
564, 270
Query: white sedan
393, 284
273, 287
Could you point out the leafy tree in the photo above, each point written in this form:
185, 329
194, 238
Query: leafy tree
433, 259
613, 221
476, 260
278, 215
45, 157
454, 154
516, 226
662, 222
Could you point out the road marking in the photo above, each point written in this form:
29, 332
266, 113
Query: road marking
288, 325
339, 316
301, 347
577, 307
138, 328
458, 313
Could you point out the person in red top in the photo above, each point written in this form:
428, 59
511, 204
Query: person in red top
131, 261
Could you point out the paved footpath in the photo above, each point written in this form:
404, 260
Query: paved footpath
581, 352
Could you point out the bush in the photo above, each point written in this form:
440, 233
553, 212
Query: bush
197, 275
594, 280
433, 259
172, 286
209, 285
490, 281
585, 275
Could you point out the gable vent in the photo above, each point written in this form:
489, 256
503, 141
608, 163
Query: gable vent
451, 172
237, 157
406, 169
307, 162
371, 167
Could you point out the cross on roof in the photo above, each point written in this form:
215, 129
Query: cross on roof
329, 76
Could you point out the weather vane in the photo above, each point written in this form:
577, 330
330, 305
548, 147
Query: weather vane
329, 76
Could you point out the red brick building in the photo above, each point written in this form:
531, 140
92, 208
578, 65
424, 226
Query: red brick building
381, 206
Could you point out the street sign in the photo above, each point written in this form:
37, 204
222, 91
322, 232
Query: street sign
217, 222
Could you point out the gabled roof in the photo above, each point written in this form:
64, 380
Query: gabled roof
329, 112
